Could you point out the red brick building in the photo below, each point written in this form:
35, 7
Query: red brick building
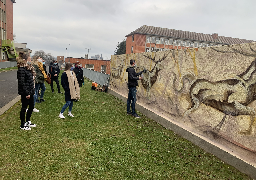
96, 65
60, 59
6, 31
152, 39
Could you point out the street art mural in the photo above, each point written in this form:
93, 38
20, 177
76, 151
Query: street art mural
210, 90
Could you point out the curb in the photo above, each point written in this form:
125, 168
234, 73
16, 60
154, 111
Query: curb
9, 105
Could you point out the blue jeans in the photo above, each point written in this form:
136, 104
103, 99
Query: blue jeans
37, 87
131, 100
68, 103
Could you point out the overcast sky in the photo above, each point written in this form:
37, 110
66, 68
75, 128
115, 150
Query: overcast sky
54, 25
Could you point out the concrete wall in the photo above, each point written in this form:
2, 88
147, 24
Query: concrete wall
208, 91
7, 64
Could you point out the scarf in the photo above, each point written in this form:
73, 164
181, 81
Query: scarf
73, 85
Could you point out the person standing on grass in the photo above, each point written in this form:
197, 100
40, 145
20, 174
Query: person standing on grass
79, 73
54, 71
132, 83
26, 89
39, 79
72, 89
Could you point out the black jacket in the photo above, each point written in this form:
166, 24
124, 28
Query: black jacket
132, 77
54, 69
79, 74
45, 68
25, 82
65, 85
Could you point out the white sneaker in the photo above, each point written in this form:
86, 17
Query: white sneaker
26, 128
29, 124
35, 110
61, 116
71, 115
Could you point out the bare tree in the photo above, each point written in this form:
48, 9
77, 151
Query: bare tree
46, 56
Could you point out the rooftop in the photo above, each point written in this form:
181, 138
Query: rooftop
187, 35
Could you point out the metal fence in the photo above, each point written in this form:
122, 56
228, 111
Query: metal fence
97, 77
7, 64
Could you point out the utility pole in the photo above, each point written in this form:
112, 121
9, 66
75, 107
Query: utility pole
88, 51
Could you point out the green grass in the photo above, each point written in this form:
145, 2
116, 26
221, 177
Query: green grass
7, 69
101, 142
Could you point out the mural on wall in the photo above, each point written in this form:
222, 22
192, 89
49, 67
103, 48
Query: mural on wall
210, 90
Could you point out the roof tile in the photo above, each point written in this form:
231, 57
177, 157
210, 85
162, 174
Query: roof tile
172, 33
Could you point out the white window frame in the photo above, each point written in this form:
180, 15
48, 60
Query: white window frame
148, 39
161, 40
153, 39
157, 40
171, 41
103, 70
91, 68
166, 42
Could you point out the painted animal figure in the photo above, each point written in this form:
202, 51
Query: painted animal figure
230, 96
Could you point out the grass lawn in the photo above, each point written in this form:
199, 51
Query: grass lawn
100, 142
7, 69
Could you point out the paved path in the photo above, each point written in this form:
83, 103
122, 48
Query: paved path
8, 87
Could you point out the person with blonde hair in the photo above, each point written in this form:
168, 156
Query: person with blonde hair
26, 89
39, 79
72, 89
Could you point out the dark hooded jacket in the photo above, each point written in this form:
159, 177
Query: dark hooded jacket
132, 77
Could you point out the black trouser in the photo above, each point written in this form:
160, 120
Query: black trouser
57, 82
25, 103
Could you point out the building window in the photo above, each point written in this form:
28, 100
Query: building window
132, 49
148, 39
182, 43
191, 44
132, 38
162, 40
152, 49
196, 44
103, 68
157, 40
153, 39
174, 42
166, 41
171, 41
178, 42
89, 66
187, 43
147, 50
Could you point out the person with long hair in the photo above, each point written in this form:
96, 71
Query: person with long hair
26, 88
39, 79
72, 89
